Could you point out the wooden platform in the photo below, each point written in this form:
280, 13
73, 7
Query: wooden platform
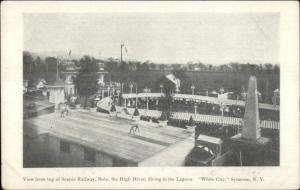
107, 134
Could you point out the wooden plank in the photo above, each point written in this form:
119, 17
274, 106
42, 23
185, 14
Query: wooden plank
99, 142
145, 132
123, 144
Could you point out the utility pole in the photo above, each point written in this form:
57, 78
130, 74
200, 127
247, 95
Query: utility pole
267, 92
47, 68
136, 99
29, 67
130, 86
122, 45
193, 88
161, 88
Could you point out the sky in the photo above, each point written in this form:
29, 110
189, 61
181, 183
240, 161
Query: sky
212, 38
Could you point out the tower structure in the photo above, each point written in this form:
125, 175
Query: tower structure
251, 123
250, 147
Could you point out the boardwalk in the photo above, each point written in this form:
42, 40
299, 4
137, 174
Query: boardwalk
108, 135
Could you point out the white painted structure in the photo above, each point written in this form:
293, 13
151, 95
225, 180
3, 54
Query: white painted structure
56, 93
199, 98
251, 127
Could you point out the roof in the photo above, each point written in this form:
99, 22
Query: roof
73, 69
209, 139
70, 72
108, 135
77, 71
56, 83
200, 98
214, 119
143, 95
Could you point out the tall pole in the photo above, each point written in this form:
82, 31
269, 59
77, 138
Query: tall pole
147, 104
47, 68
222, 110
267, 92
130, 86
118, 93
147, 101
121, 53
193, 88
195, 106
161, 88
136, 97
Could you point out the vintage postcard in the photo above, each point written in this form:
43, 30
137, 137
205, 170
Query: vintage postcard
150, 95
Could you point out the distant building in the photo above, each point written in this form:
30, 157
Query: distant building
71, 72
184, 67
276, 97
66, 61
25, 85
132, 67
56, 92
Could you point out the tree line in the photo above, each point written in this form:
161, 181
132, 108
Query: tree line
36, 68
112, 64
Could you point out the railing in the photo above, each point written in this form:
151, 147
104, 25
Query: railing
199, 98
110, 84
209, 119
204, 108
216, 126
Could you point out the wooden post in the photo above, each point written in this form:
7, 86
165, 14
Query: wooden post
147, 105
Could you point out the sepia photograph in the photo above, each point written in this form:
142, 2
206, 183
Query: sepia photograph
151, 89
150, 95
